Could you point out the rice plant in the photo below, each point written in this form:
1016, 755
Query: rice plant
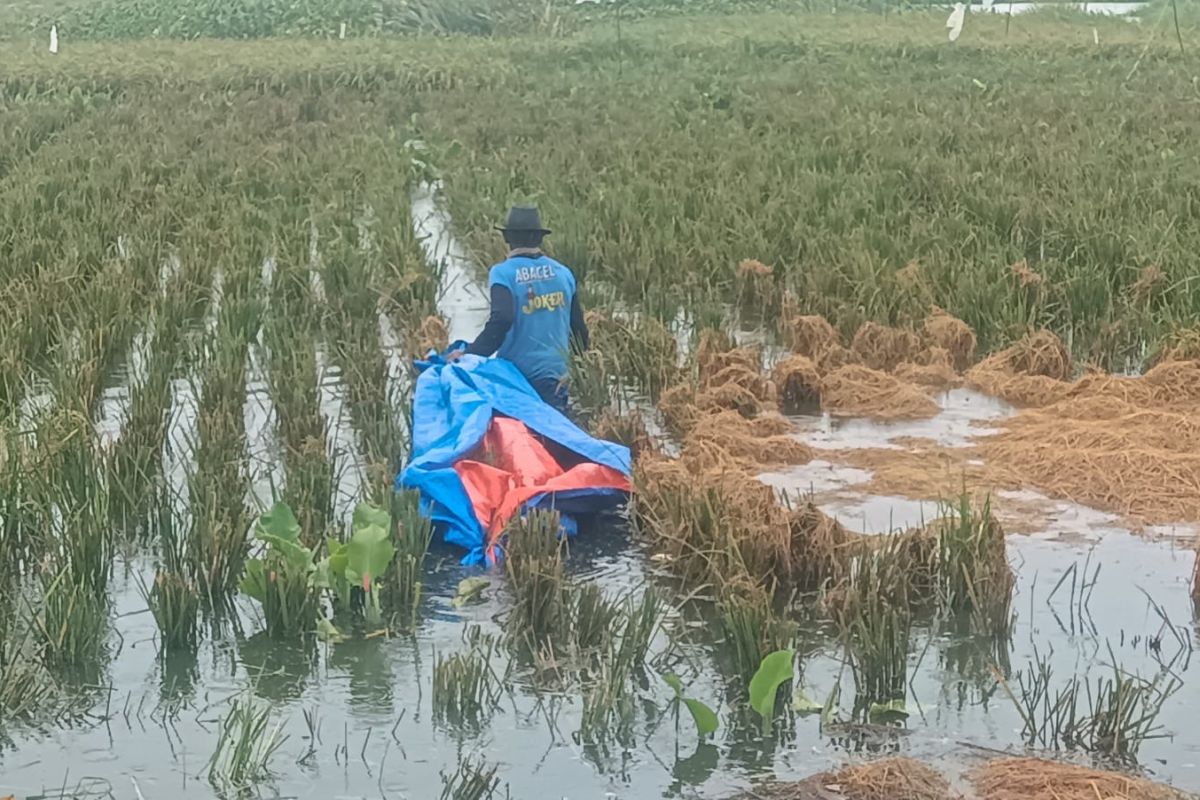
282, 578
594, 619
72, 623
874, 613
465, 685
752, 630
246, 743
974, 576
1113, 714
533, 559
175, 603
413, 532
470, 781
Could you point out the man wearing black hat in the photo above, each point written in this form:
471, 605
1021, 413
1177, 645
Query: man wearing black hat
535, 316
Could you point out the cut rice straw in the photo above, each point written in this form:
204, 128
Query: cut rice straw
886, 779
860, 391
1037, 779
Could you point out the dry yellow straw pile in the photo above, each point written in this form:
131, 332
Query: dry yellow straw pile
1130, 446
952, 335
884, 348
432, 335
797, 383
888, 779
1035, 779
1182, 345
932, 367
1032, 372
867, 392
727, 436
719, 524
628, 429
810, 335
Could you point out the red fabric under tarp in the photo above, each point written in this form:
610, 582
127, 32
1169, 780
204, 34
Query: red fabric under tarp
511, 466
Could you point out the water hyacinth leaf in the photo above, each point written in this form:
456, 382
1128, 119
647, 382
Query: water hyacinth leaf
704, 717
279, 523
368, 554
469, 589
889, 711
367, 515
673, 680
803, 704
328, 632
254, 581
774, 670
337, 557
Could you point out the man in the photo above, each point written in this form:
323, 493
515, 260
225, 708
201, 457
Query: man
535, 313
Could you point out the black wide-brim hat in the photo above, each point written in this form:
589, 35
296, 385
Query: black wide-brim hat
523, 219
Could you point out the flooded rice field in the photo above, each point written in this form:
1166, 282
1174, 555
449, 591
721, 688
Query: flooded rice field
358, 717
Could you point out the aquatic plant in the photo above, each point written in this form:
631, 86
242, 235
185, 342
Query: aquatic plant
413, 533
774, 671
873, 610
974, 576
282, 578
752, 632
703, 716
246, 743
357, 566
593, 618
175, 604
533, 560
470, 781
72, 624
1113, 715
465, 685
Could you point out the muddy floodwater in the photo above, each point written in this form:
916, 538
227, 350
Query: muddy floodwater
358, 720
356, 717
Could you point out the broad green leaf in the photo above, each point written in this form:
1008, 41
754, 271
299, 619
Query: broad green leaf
295, 556
254, 581
328, 632
367, 515
280, 523
322, 577
368, 554
774, 671
469, 589
337, 557
704, 717
803, 704
672, 680
891, 710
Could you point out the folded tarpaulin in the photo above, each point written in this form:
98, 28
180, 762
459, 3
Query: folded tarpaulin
477, 461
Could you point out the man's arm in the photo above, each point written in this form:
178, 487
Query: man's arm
500, 319
579, 331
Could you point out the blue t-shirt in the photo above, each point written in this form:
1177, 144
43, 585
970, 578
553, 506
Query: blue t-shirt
542, 290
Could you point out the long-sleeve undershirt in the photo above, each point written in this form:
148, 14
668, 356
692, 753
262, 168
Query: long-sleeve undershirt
500, 320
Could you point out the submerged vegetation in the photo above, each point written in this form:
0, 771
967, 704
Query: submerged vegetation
213, 289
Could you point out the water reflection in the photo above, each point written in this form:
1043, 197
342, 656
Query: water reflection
367, 663
279, 670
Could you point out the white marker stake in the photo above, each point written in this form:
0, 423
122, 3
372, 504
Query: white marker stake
342, 33
955, 21
53, 38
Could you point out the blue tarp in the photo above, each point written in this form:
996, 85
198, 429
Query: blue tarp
453, 405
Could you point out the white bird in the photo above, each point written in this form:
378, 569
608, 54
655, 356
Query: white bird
955, 21
342, 32
53, 38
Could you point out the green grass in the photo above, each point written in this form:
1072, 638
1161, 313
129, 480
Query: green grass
838, 155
